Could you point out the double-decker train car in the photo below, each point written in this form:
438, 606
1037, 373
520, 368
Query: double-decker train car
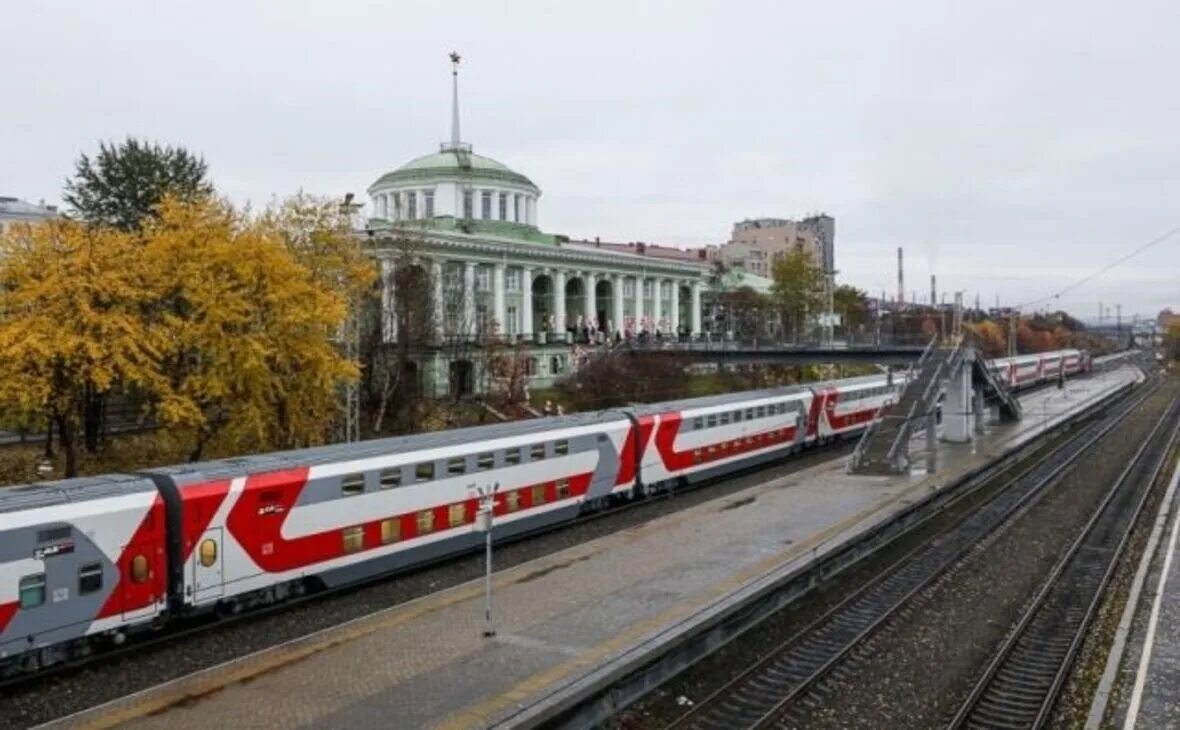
1024, 371
98, 558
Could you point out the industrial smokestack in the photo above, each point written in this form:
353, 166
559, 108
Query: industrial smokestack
933, 291
900, 278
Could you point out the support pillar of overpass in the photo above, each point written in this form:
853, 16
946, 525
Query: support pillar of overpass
958, 404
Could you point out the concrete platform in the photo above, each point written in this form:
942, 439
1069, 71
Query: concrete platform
1145, 667
570, 620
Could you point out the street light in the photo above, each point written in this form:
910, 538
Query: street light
483, 523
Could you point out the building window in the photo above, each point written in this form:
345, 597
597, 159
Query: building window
647, 288
32, 590
629, 288
397, 206
503, 207
516, 208
512, 280
428, 203
483, 278
468, 211
89, 578
485, 204
556, 365
412, 205
512, 326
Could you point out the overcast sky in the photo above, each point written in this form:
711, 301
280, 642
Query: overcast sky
1011, 147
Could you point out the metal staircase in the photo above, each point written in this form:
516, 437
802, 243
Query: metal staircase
884, 447
995, 390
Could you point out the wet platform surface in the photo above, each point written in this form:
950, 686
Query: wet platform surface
565, 617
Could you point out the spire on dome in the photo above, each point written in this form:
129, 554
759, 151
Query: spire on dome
455, 145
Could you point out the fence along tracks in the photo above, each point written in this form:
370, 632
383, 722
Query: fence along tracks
759, 695
1021, 685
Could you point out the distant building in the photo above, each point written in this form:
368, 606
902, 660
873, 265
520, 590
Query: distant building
15, 210
755, 243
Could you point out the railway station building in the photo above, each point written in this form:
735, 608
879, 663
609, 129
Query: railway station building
464, 263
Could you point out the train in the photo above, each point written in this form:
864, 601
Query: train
86, 563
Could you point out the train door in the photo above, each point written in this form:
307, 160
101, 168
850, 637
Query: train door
142, 586
208, 567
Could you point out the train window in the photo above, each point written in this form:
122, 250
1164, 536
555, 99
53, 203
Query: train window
561, 447
782, 407
54, 533
457, 514
425, 522
724, 419
487, 461
89, 578
139, 569
749, 414
698, 423
424, 472
208, 553
737, 416
353, 484
354, 539
456, 466
711, 421
391, 477
536, 452
391, 530
539, 494
762, 411
32, 590
512, 500
512, 456
563, 488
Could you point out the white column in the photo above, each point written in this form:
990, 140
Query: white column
591, 303
616, 288
499, 312
469, 298
436, 276
657, 307
638, 304
559, 303
388, 312
696, 308
526, 302
675, 308
419, 205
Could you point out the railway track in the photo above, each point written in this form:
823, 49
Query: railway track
762, 694
1020, 686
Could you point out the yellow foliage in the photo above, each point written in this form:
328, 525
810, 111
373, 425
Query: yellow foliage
226, 326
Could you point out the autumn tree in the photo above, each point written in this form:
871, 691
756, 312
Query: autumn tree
853, 305
797, 289
746, 311
250, 358
124, 183
72, 298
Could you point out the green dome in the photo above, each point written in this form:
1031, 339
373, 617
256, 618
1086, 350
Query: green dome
456, 163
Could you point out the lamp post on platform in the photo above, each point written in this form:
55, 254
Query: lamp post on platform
483, 523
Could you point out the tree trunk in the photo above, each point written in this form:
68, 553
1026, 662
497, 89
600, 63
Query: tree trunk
49, 437
92, 418
69, 445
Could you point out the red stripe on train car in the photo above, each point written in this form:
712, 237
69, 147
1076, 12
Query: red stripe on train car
148, 541
675, 461
200, 504
633, 446
257, 518
7, 611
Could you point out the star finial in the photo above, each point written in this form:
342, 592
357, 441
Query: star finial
454, 58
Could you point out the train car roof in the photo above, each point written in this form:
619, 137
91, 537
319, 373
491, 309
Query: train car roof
278, 460
716, 400
79, 489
